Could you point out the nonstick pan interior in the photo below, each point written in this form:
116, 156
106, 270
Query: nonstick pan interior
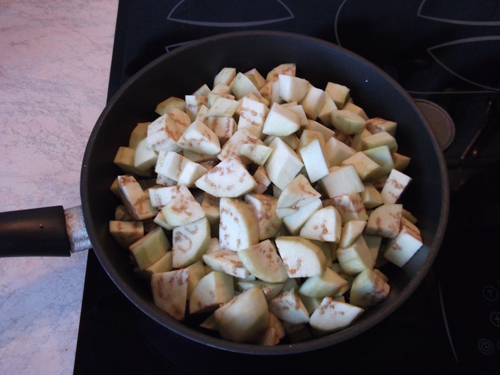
183, 71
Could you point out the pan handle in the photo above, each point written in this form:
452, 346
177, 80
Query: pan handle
47, 231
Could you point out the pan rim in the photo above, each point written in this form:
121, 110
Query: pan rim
218, 343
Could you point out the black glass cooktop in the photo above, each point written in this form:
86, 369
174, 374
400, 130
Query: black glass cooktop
444, 52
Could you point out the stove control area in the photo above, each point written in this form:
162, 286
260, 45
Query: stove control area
469, 265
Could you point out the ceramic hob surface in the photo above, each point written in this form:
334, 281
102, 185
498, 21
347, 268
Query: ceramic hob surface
447, 55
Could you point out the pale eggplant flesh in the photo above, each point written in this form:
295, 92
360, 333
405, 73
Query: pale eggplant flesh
185, 70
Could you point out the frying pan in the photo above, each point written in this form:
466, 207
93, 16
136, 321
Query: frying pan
187, 68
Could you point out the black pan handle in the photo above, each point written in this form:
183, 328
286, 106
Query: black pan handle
34, 232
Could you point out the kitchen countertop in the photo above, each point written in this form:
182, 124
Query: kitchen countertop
55, 58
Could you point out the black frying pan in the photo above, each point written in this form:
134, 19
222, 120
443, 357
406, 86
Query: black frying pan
186, 69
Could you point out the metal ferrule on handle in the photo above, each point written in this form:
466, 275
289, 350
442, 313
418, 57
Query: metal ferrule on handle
47, 231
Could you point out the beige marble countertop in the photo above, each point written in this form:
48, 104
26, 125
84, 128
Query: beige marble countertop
54, 69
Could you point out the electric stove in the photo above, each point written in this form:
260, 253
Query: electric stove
441, 53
